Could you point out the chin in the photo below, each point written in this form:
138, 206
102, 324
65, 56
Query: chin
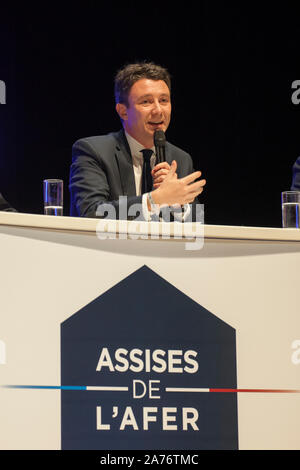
158, 128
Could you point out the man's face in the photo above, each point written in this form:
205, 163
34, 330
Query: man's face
149, 108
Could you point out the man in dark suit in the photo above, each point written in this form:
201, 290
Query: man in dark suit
108, 172
296, 176
4, 206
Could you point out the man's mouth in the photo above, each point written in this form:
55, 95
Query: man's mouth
155, 124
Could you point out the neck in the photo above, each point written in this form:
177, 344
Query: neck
146, 143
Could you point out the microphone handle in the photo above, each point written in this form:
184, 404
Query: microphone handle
157, 154
160, 152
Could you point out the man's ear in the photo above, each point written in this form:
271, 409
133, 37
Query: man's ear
122, 111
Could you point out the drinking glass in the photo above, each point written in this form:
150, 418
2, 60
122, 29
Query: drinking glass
290, 206
53, 196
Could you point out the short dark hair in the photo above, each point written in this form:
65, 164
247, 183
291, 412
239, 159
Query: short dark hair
131, 73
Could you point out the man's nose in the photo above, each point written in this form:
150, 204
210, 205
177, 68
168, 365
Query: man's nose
156, 107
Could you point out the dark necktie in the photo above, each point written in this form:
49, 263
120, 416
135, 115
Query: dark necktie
146, 175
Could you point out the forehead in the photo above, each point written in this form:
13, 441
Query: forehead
145, 86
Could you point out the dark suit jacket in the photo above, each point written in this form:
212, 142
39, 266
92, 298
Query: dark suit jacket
102, 170
4, 206
296, 176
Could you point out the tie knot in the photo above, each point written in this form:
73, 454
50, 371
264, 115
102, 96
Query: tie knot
147, 153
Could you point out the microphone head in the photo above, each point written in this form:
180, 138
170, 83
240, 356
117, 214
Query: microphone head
159, 138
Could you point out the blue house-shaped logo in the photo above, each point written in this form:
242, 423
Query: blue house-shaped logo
146, 356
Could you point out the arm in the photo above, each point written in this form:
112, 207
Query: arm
4, 206
94, 185
296, 176
188, 210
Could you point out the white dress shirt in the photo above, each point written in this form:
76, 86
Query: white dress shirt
138, 161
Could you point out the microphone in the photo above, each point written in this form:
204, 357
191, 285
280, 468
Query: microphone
160, 145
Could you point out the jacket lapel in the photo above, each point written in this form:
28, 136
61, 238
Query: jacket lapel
124, 161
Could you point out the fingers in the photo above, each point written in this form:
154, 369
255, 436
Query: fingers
192, 177
163, 169
172, 172
194, 190
160, 166
159, 175
160, 171
173, 167
195, 187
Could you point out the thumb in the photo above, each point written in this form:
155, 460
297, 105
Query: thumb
173, 167
172, 171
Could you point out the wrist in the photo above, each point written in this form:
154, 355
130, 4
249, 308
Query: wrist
156, 197
152, 205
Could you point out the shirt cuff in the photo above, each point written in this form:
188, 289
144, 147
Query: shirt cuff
146, 213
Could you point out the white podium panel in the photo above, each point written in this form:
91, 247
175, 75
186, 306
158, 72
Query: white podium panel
53, 267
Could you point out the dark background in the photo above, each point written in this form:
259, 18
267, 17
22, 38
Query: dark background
232, 66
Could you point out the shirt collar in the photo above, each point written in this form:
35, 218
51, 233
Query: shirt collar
135, 146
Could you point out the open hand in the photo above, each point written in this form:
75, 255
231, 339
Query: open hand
173, 190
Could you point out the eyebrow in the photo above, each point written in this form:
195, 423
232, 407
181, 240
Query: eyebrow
150, 95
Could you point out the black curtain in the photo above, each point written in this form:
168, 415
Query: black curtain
232, 67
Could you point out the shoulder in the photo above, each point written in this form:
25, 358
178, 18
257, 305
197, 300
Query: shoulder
297, 164
183, 158
176, 151
97, 143
5, 206
296, 176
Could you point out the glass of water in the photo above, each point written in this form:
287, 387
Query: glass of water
290, 204
53, 190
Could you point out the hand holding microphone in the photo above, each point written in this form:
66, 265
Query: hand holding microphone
168, 188
159, 173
